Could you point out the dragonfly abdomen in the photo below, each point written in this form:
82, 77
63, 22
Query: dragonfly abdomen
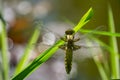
68, 60
69, 47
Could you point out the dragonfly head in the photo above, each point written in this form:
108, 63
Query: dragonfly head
69, 34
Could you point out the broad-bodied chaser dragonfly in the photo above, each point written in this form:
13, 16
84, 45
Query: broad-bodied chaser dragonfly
68, 47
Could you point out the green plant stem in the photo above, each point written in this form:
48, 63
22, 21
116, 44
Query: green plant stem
100, 68
113, 42
4, 49
106, 65
98, 63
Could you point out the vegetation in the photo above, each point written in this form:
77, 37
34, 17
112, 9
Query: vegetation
22, 70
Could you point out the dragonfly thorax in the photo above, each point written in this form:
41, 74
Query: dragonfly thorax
69, 37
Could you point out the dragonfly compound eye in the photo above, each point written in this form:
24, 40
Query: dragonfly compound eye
69, 32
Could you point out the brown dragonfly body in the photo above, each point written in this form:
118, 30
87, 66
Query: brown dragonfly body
69, 47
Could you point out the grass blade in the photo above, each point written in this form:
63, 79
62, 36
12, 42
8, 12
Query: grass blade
49, 52
105, 69
4, 49
113, 44
37, 62
24, 59
100, 68
1, 77
85, 19
97, 60
105, 33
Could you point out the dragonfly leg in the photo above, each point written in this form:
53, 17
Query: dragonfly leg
76, 47
62, 47
64, 39
77, 39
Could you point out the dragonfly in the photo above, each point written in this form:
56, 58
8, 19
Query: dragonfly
69, 47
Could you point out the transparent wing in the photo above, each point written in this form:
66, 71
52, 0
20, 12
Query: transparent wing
52, 32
